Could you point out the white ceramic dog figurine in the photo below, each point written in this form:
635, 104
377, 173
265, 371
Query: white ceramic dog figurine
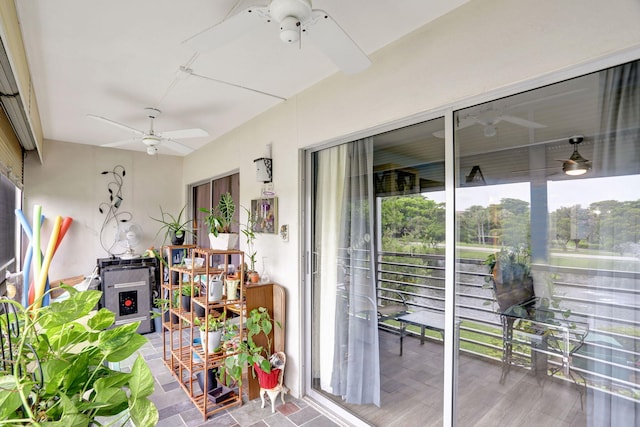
278, 361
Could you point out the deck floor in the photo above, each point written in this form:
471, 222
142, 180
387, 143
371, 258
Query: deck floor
412, 390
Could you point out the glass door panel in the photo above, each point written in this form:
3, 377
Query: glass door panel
378, 275
547, 259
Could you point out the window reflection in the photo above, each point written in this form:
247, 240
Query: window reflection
574, 349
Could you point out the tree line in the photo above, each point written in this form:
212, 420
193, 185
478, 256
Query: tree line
605, 225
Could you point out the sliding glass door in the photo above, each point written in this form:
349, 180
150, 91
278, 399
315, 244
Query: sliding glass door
548, 254
377, 278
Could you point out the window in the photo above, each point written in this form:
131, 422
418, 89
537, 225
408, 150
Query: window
7, 225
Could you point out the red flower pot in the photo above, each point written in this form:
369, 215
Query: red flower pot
267, 380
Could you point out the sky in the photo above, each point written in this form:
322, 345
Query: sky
564, 193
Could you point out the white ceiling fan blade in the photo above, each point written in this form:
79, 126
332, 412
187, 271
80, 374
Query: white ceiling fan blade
185, 133
176, 146
114, 123
522, 122
336, 43
228, 30
121, 143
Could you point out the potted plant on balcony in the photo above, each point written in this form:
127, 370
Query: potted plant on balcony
59, 374
174, 228
258, 357
219, 220
211, 332
510, 276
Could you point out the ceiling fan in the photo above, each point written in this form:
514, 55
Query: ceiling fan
489, 119
152, 139
576, 164
294, 17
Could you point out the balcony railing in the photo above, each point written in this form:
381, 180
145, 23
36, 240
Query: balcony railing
610, 357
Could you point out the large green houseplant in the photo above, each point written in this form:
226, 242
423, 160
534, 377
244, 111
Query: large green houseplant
173, 227
219, 220
57, 371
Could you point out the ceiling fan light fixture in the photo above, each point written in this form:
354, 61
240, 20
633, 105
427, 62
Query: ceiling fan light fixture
152, 150
289, 29
490, 130
576, 165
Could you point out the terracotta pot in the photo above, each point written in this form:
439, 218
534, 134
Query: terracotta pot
254, 277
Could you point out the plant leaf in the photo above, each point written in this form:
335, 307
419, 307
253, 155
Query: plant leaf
113, 340
141, 383
134, 343
110, 401
9, 396
144, 413
101, 320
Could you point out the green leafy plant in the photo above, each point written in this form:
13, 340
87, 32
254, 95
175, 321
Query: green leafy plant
250, 235
248, 352
213, 323
510, 277
186, 291
59, 372
172, 225
220, 217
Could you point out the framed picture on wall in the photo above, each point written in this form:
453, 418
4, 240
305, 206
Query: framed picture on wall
265, 211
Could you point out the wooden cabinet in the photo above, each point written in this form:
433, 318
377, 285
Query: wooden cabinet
272, 297
191, 363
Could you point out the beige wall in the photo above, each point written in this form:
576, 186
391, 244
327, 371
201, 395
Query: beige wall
69, 183
487, 48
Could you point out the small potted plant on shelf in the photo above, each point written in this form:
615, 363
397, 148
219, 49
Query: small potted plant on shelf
211, 332
160, 312
219, 220
174, 228
175, 303
185, 297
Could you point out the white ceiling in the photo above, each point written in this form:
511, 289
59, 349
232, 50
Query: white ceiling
113, 58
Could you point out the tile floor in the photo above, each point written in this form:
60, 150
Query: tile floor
177, 410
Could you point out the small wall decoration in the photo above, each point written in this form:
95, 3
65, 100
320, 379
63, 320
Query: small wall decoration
265, 211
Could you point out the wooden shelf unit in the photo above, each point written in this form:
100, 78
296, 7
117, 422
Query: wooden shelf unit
184, 359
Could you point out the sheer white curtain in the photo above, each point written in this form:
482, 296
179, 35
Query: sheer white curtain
616, 153
344, 287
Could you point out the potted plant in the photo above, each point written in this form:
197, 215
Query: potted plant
175, 303
250, 235
185, 296
232, 285
219, 220
59, 373
211, 332
174, 228
160, 312
510, 275
258, 357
